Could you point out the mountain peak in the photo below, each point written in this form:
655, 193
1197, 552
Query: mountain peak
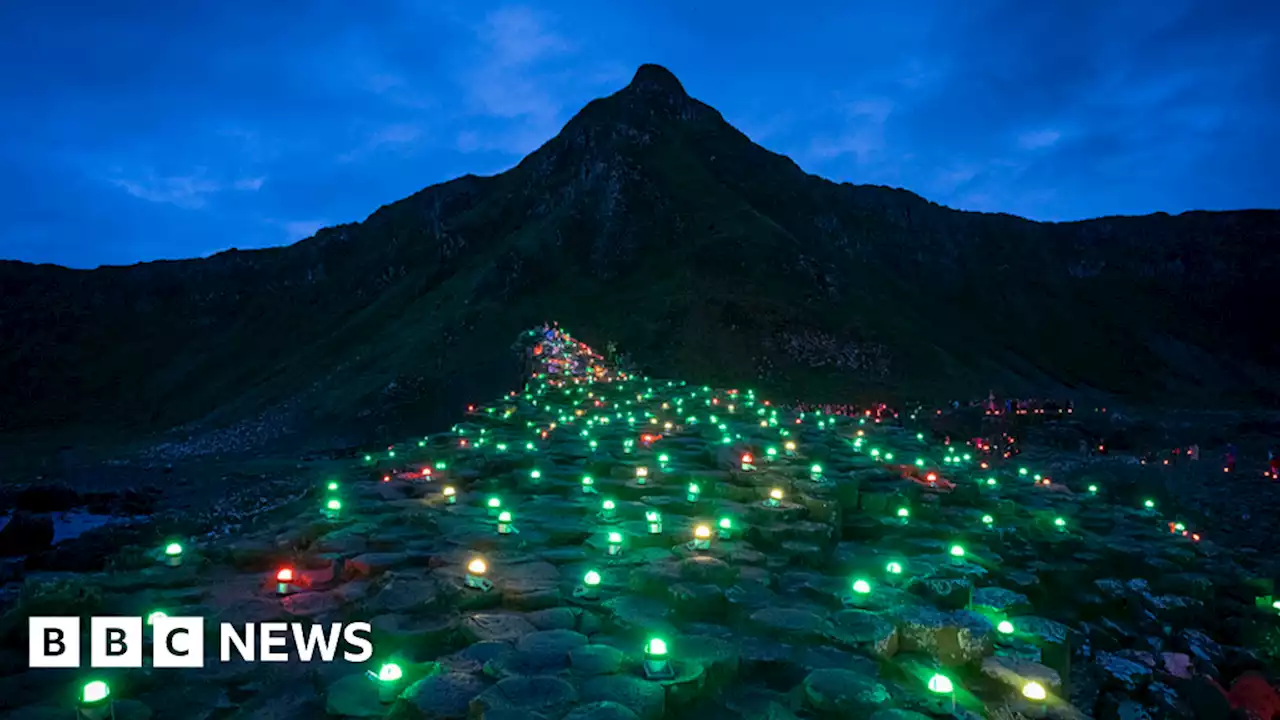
651, 77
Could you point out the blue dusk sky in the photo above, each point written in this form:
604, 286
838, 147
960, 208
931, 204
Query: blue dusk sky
134, 131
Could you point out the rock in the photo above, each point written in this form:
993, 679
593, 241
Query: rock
441, 697
548, 695
1014, 673
50, 498
603, 710
311, 605
559, 618
865, 631
354, 696
596, 659
1122, 673
479, 627
843, 693
1001, 601
789, 623
646, 699
549, 648
371, 564
26, 533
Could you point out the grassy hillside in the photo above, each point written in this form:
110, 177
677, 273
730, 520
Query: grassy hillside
650, 221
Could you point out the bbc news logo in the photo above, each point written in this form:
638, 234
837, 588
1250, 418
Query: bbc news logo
178, 642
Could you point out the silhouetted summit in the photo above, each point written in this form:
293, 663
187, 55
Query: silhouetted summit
650, 221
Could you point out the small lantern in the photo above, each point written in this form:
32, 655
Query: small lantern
656, 664
957, 553
173, 554
495, 506
790, 448
701, 538
861, 592
747, 462
1093, 489
504, 523
726, 528
450, 495
693, 493
1004, 627
770, 454
152, 617
332, 508
589, 589
332, 486
775, 498
815, 472
1149, 504
389, 679
988, 520
95, 702
588, 485
663, 459
608, 511
654, 518
615, 544
642, 475
942, 685
894, 570
904, 515
476, 580
285, 582
1060, 523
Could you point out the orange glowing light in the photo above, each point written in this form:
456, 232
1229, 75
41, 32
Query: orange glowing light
386, 478
285, 575
426, 471
931, 477
747, 459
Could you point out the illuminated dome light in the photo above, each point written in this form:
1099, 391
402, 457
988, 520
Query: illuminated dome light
156, 615
1093, 489
333, 486
904, 513
95, 693
702, 532
987, 519
861, 587
693, 492
285, 581
477, 566
656, 663
591, 579
775, 498
1005, 627
941, 684
893, 568
1149, 504
957, 551
285, 575
991, 482
1059, 522
450, 494
1033, 690
654, 518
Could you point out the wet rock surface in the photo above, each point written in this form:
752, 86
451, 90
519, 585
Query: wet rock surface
816, 572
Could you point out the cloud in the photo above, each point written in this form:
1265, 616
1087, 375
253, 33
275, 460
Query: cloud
864, 140
250, 183
397, 135
1038, 139
295, 230
185, 191
511, 82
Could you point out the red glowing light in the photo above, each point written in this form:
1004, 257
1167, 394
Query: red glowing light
471, 408
285, 575
426, 471
746, 458
931, 477
462, 443
715, 401
386, 478
1195, 537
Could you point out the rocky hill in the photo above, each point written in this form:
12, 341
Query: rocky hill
651, 221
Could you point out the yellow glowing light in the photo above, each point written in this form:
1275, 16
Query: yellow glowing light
776, 494
477, 566
702, 532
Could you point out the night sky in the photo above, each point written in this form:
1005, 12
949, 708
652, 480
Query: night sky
136, 131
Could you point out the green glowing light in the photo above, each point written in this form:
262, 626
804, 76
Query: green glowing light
608, 505
941, 684
173, 549
919, 462
94, 692
726, 524
1060, 522
862, 587
535, 474
1022, 472
591, 579
1148, 504
1093, 489
987, 519
1034, 691
957, 551
333, 486
904, 512
615, 538
991, 482
504, 516
694, 489
495, 503
156, 615
894, 568
334, 504
1005, 627
816, 469
656, 647
390, 672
